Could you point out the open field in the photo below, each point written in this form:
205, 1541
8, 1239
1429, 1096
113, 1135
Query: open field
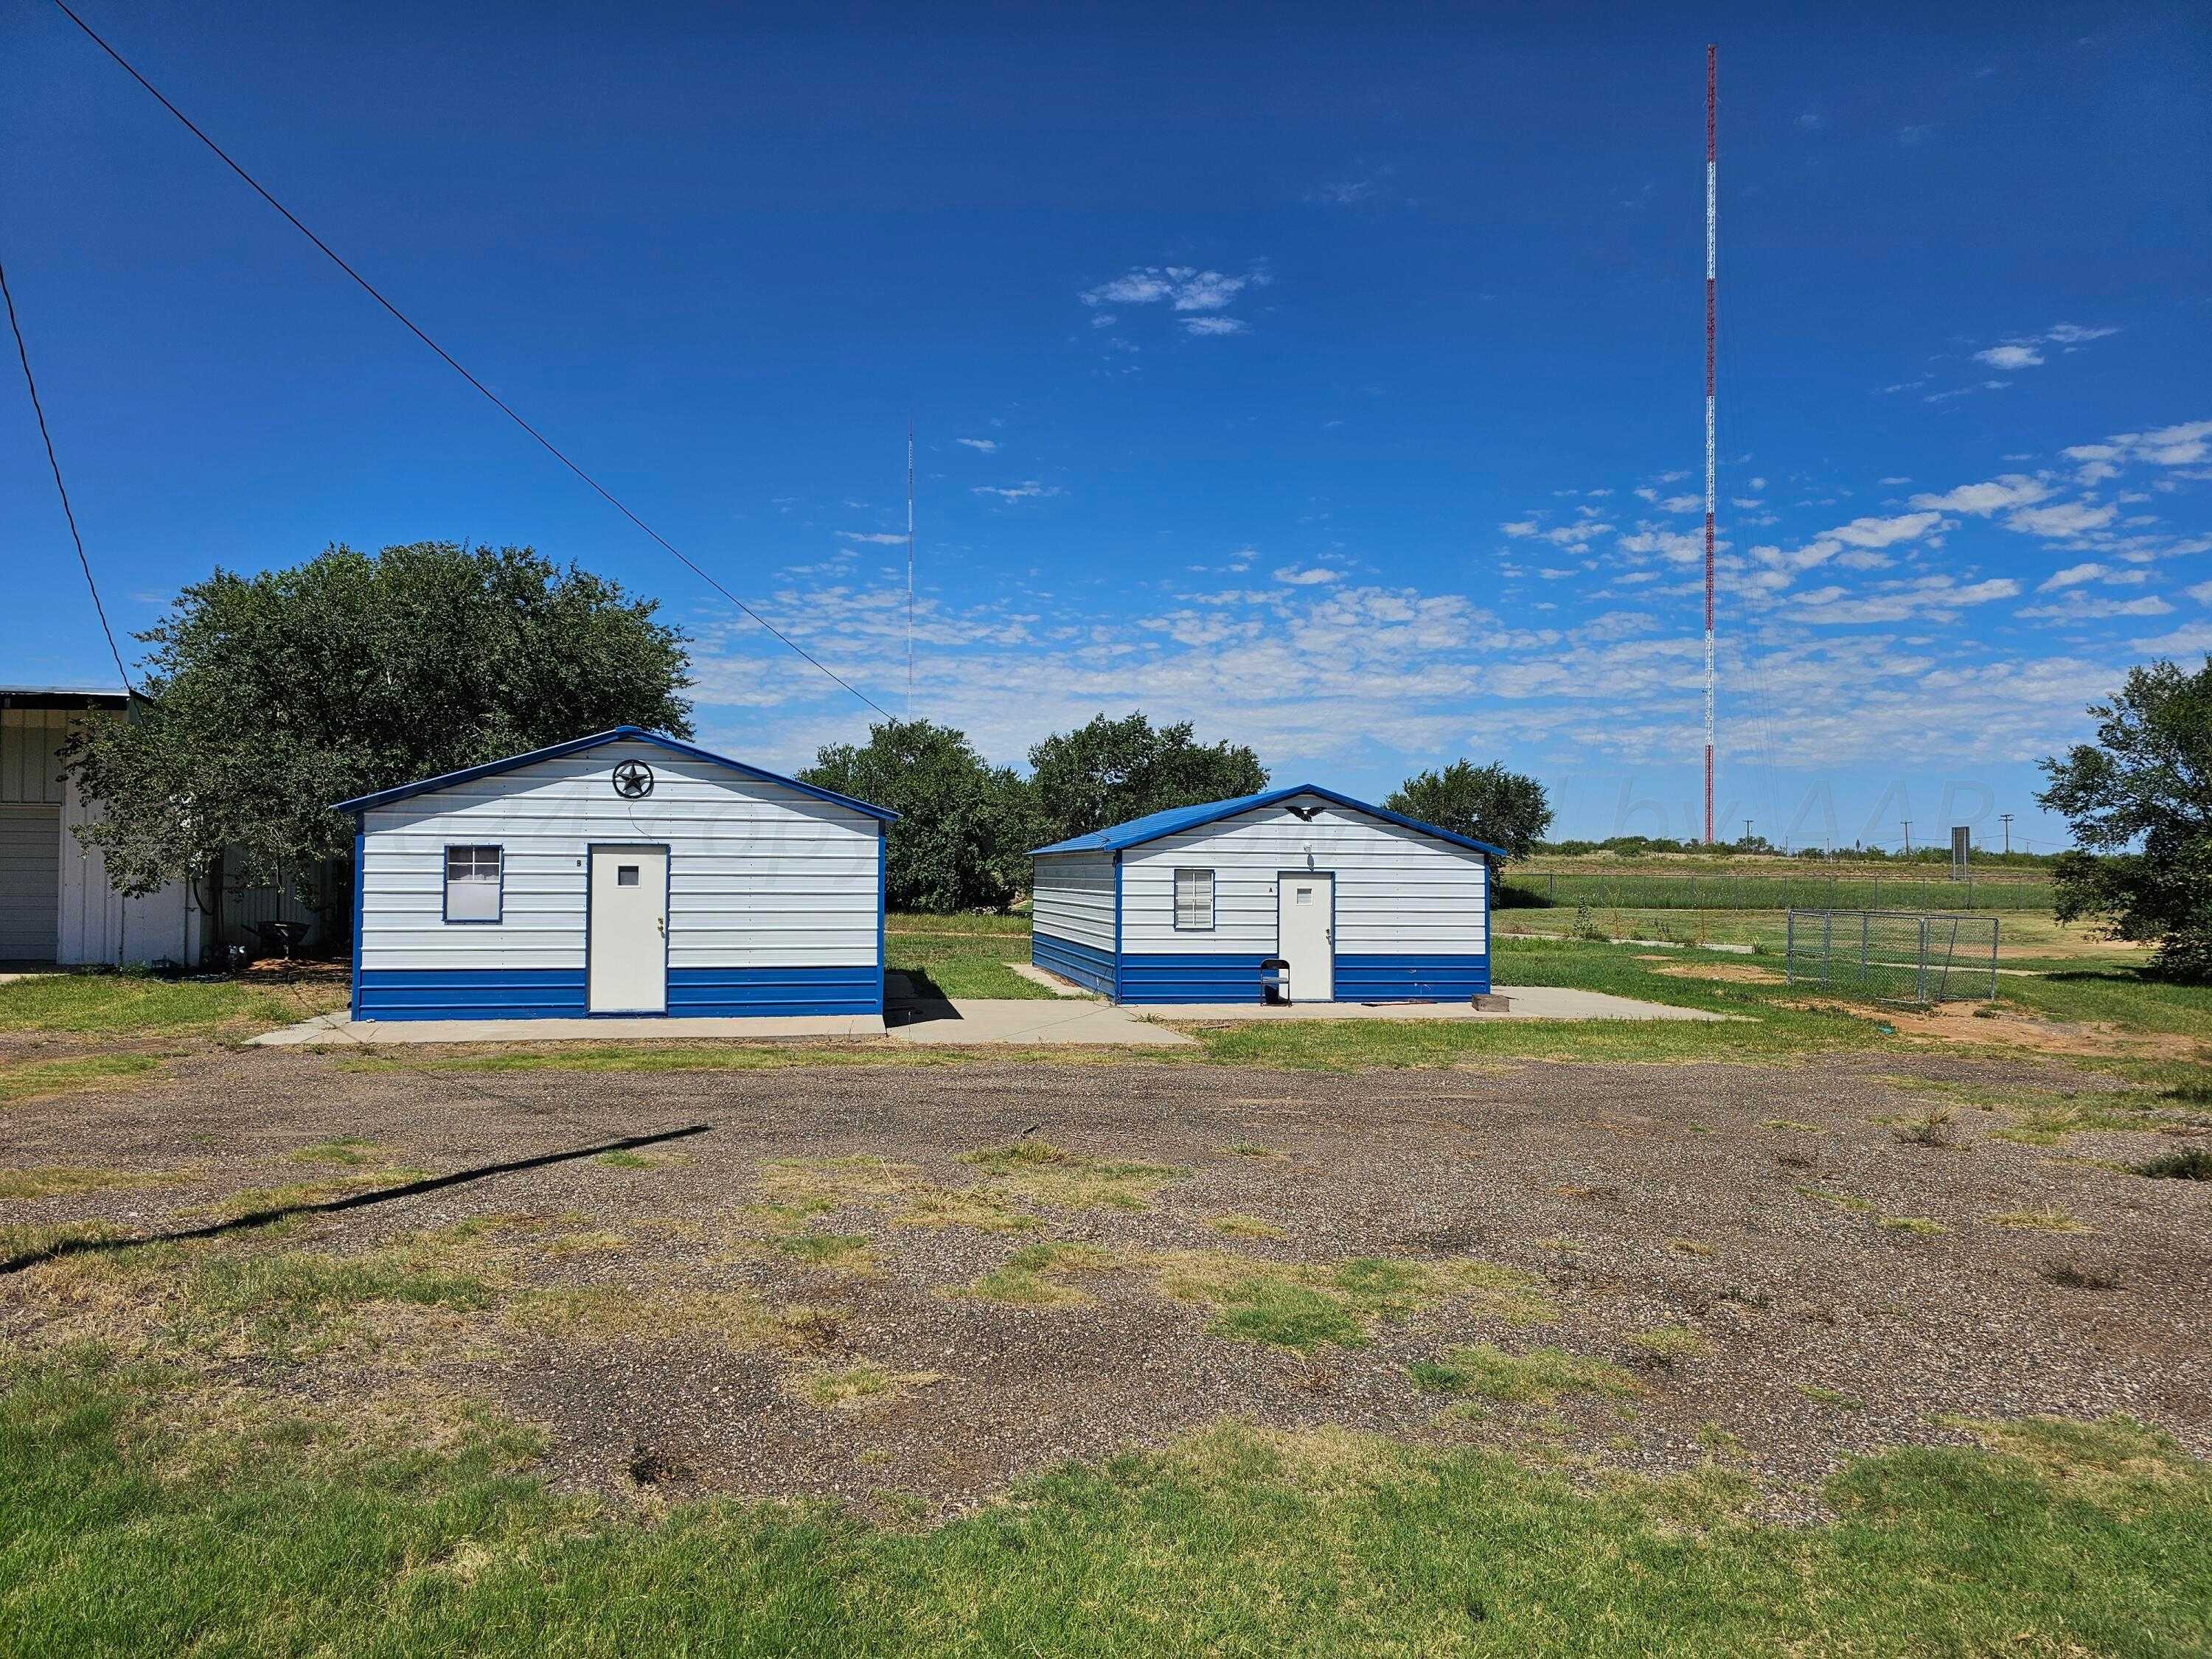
1608, 886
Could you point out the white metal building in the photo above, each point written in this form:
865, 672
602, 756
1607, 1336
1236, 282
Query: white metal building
1188, 905
56, 905
621, 874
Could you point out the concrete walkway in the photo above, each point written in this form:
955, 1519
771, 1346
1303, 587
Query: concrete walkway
337, 1027
1535, 1002
970, 1021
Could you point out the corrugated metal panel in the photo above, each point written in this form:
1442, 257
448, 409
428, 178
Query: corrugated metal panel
1398, 891
735, 993
1072, 897
30, 882
470, 994
760, 875
1086, 964
1193, 977
98, 924
1153, 825
1411, 978
30, 772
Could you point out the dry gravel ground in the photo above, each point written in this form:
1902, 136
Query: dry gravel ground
654, 1314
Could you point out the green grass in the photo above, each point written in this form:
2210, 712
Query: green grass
131, 1005
33, 1078
961, 956
1540, 1376
2066, 1538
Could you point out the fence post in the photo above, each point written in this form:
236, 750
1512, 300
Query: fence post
1922, 981
1865, 916
1827, 944
1790, 948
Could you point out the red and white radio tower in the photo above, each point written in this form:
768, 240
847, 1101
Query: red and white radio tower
1712, 249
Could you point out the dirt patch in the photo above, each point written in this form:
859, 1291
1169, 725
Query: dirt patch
860, 1282
1976, 1025
1731, 973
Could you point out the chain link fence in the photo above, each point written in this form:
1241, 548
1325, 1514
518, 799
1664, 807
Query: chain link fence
1894, 956
1723, 890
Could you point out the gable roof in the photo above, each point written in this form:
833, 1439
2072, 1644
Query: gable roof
620, 734
1153, 825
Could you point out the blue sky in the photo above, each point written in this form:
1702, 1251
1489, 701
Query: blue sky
1330, 377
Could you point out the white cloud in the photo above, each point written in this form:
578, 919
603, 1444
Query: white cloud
2063, 521
1313, 576
2072, 576
2189, 637
2076, 607
2201, 591
2010, 356
1201, 294
1682, 504
986, 446
2013, 490
1028, 489
1519, 528
882, 538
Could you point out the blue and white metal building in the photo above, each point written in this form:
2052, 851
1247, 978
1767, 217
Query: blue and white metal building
1184, 906
621, 874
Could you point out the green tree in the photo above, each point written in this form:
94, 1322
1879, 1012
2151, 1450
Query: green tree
1487, 803
268, 697
2139, 801
965, 826
1111, 771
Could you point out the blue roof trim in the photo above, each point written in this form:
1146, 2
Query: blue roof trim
1153, 825
620, 734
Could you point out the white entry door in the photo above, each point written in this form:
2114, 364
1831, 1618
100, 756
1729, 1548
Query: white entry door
629, 931
1305, 934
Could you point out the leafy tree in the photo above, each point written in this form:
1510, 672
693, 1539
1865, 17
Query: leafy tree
268, 697
1111, 771
965, 828
2145, 784
1487, 803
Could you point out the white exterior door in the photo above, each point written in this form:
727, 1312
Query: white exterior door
1305, 934
629, 931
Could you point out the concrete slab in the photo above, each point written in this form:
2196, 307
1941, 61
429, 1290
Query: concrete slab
1019, 1021
1051, 982
1534, 1002
337, 1027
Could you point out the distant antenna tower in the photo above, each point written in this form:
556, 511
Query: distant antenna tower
910, 567
1712, 250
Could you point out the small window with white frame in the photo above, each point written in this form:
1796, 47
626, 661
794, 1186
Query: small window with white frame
472, 883
1194, 894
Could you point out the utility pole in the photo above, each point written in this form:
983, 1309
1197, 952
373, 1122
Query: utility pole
1907, 823
1712, 277
2006, 819
1746, 832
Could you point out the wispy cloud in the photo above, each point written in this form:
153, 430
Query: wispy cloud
1309, 576
880, 537
1028, 489
1202, 295
986, 446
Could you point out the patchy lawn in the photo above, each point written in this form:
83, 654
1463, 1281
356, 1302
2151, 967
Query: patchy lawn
106, 1004
746, 1347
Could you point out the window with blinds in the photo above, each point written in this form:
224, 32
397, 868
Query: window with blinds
1193, 893
472, 886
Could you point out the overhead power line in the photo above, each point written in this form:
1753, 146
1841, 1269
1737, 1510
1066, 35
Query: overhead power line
60, 489
491, 397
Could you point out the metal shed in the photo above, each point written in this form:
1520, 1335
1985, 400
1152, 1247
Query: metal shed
625, 872
1189, 905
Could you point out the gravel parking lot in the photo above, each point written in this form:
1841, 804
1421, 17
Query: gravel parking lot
907, 1287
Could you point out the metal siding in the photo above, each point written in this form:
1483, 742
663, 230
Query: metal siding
1191, 976
30, 882
1402, 897
761, 876
1086, 964
1072, 898
470, 993
97, 924
30, 770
